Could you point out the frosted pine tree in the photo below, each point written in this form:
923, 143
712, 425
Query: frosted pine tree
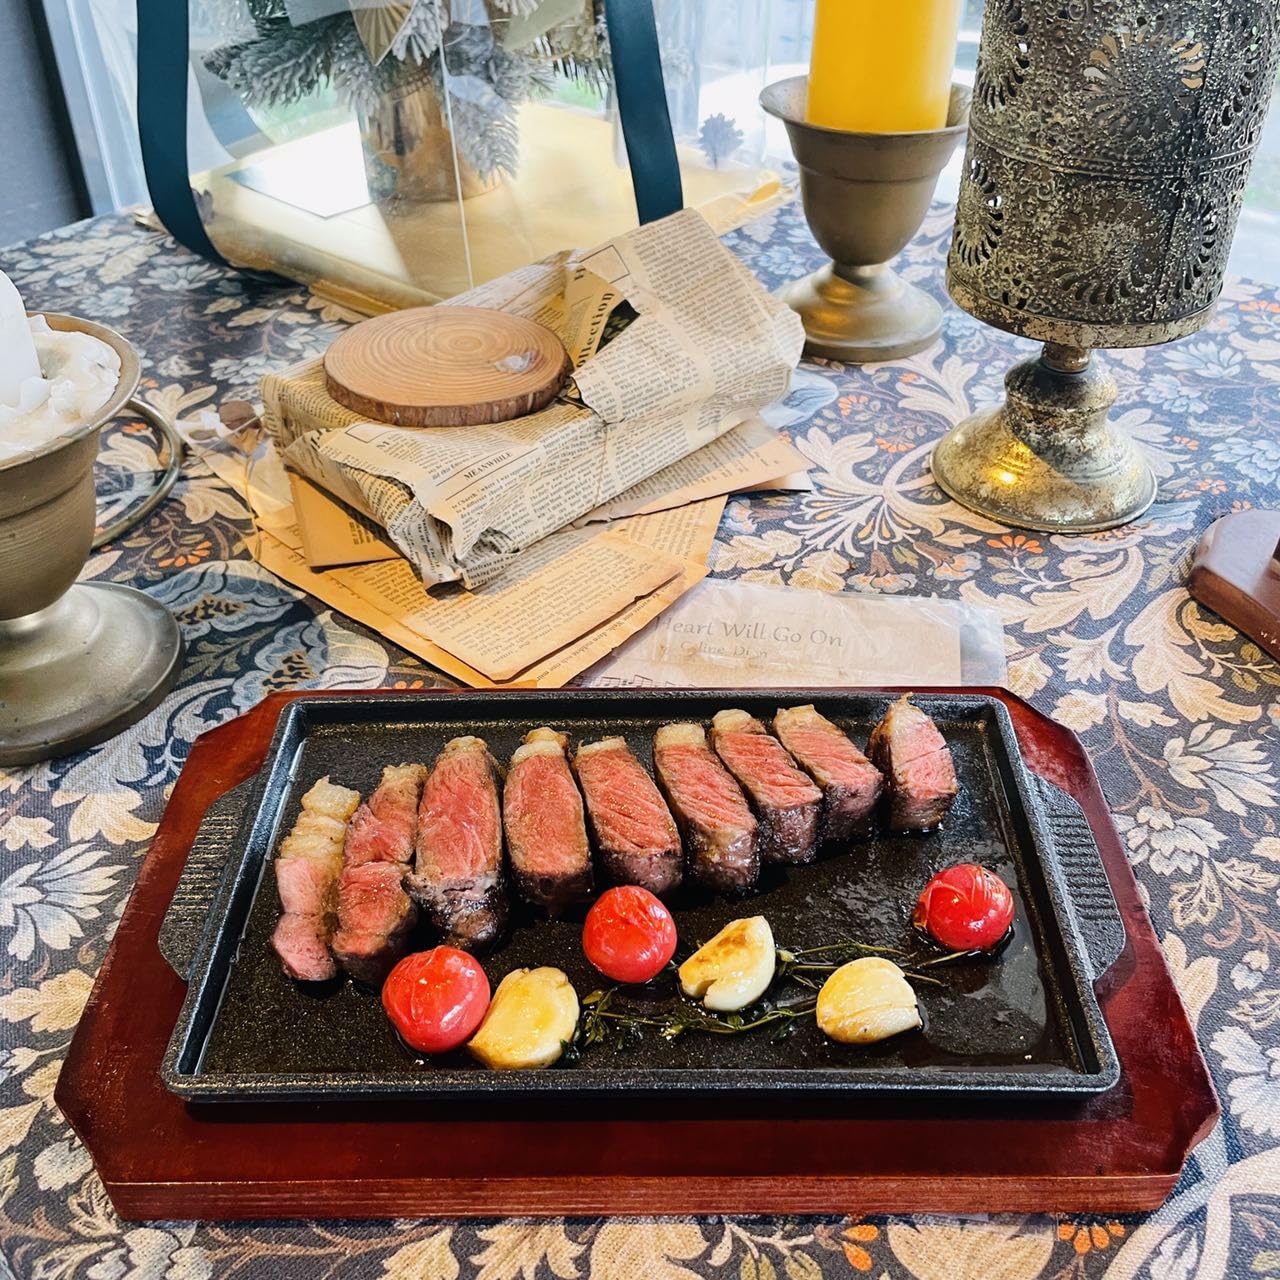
280, 57
419, 38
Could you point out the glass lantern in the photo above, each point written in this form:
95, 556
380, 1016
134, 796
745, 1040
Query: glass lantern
391, 152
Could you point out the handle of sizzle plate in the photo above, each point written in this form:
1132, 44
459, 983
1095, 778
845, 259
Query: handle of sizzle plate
163, 37
1092, 902
183, 927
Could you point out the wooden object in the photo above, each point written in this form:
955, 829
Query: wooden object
160, 1158
1236, 573
446, 367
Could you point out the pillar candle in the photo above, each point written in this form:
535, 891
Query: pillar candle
18, 360
882, 66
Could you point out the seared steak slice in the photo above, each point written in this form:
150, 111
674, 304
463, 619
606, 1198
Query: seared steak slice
458, 849
382, 829
307, 866
375, 918
634, 831
301, 942
546, 830
916, 762
375, 915
721, 834
305, 885
850, 783
785, 800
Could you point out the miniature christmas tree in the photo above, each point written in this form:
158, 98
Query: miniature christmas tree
719, 138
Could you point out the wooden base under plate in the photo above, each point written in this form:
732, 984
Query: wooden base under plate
161, 1158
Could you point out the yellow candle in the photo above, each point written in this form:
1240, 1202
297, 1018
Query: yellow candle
882, 66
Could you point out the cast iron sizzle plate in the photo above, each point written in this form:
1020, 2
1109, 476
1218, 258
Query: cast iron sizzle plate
1026, 1023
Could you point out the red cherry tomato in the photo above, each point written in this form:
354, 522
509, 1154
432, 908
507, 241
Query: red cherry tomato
629, 935
436, 998
965, 908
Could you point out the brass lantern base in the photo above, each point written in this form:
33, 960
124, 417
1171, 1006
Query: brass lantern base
863, 314
1048, 458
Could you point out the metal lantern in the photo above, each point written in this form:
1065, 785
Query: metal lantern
1110, 142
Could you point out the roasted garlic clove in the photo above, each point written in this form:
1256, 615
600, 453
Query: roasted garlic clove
533, 1015
734, 969
867, 1000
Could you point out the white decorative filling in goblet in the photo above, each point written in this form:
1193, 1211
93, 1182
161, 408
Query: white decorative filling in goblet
79, 661
77, 375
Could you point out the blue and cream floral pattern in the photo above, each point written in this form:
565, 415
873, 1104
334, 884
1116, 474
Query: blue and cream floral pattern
1180, 713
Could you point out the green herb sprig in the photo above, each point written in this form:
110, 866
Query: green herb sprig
602, 1022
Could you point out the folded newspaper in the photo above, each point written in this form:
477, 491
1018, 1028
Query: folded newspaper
705, 348
565, 605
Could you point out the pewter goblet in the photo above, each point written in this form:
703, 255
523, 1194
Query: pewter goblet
78, 663
865, 196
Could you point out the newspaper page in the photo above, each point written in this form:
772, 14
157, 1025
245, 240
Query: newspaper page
745, 460
562, 587
707, 349
751, 456
586, 622
332, 534
727, 634
388, 598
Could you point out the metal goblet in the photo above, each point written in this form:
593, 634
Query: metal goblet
865, 196
78, 663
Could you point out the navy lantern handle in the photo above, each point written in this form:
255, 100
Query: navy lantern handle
163, 37
642, 108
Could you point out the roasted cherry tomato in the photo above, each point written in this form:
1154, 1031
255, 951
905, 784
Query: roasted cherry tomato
965, 908
629, 935
436, 998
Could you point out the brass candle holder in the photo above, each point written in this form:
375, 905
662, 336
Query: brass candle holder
1109, 148
78, 661
865, 196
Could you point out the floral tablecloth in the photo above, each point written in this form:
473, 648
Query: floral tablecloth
1181, 714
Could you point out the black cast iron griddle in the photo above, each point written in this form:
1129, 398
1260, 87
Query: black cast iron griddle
1025, 1023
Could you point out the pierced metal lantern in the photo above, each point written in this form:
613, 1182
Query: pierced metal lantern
1110, 142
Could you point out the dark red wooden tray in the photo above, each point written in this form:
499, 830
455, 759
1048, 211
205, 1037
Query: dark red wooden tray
162, 1158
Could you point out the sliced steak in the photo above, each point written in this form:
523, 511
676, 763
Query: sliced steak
307, 866
375, 915
916, 762
634, 831
458, 849
302, 944
375, 919
785, 800
305, 885
721, 835
545, 826
382, 830
851, 784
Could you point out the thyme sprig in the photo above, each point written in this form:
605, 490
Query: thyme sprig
947, 959
792, 963
603, 1022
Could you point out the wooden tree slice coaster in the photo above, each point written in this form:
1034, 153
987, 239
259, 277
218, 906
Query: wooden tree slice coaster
446, 367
